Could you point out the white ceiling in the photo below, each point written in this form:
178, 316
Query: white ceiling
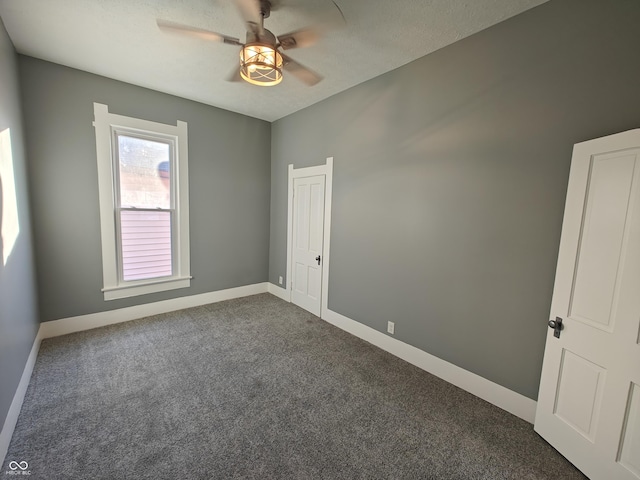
120, 39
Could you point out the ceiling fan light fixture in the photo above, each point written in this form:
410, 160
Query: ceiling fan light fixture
260, 64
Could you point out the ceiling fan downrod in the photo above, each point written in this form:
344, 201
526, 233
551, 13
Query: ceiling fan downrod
265, 9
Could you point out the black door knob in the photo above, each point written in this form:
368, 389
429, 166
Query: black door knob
557, 326
318, 259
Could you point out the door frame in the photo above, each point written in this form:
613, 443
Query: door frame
327, 171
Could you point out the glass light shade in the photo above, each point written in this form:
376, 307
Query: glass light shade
260, 65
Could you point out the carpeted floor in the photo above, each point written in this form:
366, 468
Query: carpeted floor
257, 388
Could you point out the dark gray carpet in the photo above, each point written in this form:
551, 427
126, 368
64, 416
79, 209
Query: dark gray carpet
257, 388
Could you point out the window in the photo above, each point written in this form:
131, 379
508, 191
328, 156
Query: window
144, 211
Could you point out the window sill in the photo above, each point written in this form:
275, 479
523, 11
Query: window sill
125, 291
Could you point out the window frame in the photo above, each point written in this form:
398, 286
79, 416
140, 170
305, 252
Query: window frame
107, 127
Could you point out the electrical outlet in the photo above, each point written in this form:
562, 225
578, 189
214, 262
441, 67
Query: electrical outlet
391, 327
280, 280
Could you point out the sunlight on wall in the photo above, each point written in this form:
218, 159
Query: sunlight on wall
9, 223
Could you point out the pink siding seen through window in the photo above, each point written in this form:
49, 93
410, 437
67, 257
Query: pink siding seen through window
146, 244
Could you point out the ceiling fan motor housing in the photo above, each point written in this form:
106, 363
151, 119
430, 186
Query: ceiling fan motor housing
266, 38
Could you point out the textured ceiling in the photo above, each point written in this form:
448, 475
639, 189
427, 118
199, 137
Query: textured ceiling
120, 39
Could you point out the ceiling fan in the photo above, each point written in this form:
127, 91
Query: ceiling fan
261, 58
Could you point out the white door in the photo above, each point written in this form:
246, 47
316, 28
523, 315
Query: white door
308, 232
589, 400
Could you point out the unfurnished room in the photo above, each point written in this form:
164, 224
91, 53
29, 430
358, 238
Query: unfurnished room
320, 239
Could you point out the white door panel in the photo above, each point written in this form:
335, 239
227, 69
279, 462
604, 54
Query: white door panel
601, 244
589, 400
630, 448
579, 393
308, 232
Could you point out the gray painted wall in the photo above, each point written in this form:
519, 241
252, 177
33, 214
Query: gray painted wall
18, 298
450, 176
229, 187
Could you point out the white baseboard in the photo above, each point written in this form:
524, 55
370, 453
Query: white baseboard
16, 405
279, 292
502, 397
64, 326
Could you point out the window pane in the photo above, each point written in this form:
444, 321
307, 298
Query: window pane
144, 173
146, 244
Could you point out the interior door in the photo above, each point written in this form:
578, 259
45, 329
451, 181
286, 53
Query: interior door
589, 400
308, 231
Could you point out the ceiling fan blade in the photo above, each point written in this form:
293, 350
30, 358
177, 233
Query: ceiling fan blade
344, 20
173, 27
251, 14
305, 37
235, 76
303, 73
300, 38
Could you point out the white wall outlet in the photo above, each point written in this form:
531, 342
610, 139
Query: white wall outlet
280, 280
391, 327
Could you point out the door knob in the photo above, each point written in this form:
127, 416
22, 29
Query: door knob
557, 326
318, 259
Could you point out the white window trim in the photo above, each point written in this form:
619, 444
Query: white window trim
105, 123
